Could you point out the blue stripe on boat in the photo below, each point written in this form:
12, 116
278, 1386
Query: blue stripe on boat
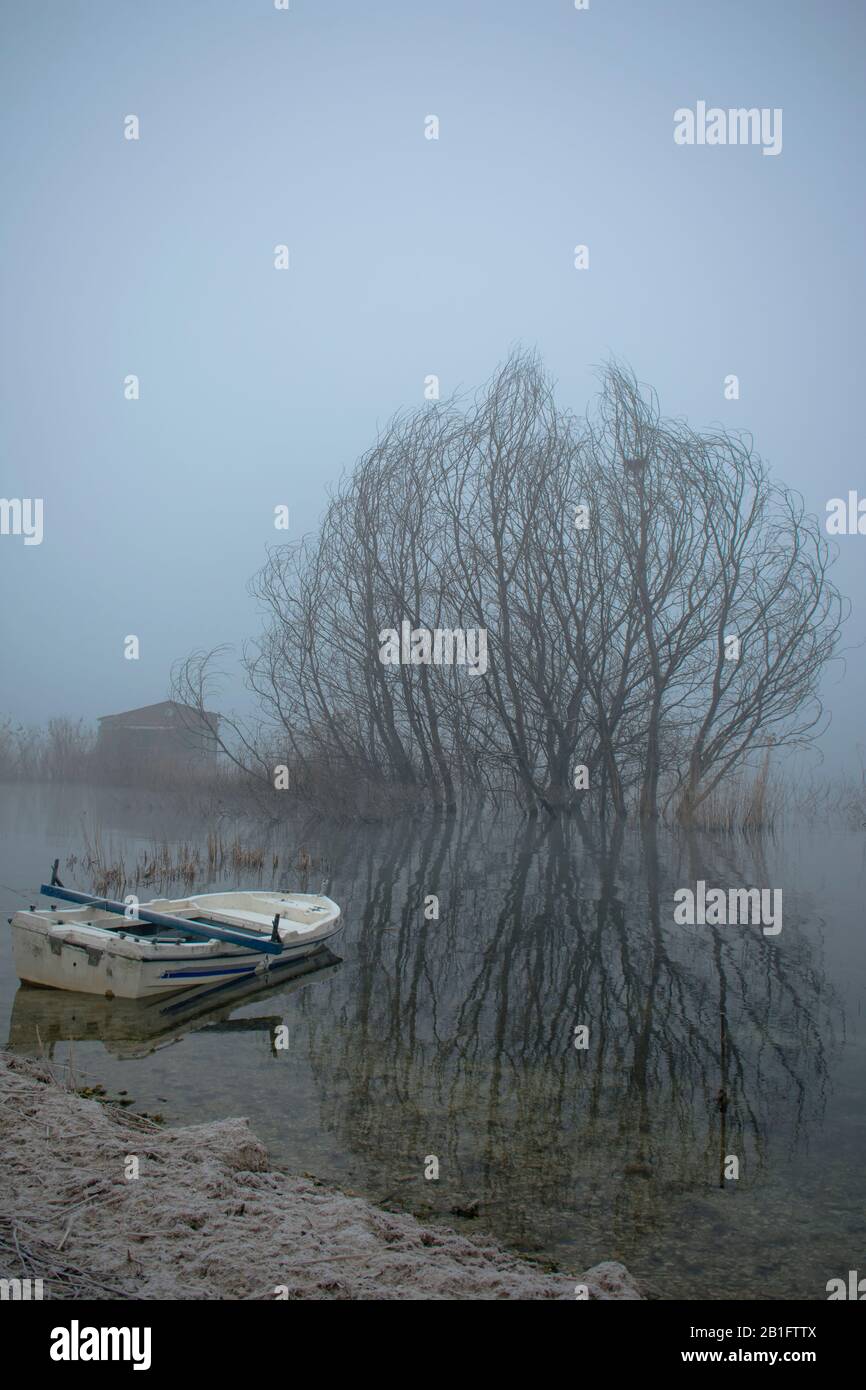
196, 974
172, 960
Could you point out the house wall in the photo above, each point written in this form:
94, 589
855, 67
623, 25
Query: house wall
122, 743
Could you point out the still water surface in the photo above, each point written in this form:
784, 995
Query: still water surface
455, 1037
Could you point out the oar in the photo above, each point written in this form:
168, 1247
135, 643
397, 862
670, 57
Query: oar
210, 932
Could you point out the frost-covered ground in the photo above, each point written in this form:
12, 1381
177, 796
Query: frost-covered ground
206, 1217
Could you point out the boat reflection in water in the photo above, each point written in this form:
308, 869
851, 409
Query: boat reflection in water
41, 1018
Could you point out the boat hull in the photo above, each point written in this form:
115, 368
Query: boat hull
42, 1017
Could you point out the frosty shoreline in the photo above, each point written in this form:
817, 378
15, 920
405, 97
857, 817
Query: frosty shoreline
208, 1218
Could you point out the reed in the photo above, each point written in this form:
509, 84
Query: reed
743, 804
161, 863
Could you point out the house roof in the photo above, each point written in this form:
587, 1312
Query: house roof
166, 714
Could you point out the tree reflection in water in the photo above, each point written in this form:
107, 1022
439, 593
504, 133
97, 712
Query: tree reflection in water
456, 1037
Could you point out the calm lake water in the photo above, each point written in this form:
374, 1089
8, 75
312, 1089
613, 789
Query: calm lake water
455, 1037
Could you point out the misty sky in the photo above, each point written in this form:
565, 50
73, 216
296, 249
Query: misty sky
408, 257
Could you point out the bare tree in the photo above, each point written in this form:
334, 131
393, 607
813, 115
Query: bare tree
657, 607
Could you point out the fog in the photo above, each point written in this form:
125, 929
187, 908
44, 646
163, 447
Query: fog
409, 257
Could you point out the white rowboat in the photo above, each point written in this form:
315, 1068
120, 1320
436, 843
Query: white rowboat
169, 944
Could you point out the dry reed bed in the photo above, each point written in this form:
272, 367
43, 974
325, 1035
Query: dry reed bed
162, 863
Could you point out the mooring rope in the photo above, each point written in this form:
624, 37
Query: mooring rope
28, 897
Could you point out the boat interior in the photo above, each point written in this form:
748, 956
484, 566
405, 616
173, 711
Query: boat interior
123, 927
252, 912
